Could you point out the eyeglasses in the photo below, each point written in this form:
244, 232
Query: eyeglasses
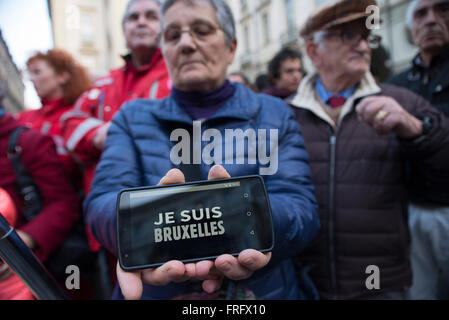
352, 38
198, 31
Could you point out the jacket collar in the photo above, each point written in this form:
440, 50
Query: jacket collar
242, 106
157, 55
307, 98
437, 60
50, 106
326, 95
278, 92
7, 124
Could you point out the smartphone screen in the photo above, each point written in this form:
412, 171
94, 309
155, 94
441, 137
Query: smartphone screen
192, 222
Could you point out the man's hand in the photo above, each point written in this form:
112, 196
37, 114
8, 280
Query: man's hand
210, 272
385, 115
100, 136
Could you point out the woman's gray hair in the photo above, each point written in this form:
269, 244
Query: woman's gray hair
224, 15
410, 13
130, 3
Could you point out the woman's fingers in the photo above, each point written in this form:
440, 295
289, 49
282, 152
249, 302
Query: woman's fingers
130, 283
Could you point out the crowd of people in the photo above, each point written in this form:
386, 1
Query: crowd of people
362, 167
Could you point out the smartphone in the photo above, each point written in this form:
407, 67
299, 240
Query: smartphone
193, 221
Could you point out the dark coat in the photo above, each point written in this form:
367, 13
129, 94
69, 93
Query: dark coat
361, 188
61, 204
431, 82
137, 153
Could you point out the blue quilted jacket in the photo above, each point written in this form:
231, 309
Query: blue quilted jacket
137, 153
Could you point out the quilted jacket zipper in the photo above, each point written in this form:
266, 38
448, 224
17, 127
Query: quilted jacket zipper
332, 144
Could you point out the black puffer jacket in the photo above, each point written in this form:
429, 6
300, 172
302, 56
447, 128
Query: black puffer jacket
360, 181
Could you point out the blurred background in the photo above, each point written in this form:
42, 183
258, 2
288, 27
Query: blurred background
91, 31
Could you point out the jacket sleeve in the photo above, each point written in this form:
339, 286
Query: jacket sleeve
428, 155
118, 169
80, 126
61, 204
291, 193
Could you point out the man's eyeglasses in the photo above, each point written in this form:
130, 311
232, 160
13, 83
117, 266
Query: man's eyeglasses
353, 38
198, 31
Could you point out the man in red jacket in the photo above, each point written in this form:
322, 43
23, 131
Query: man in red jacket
143, 76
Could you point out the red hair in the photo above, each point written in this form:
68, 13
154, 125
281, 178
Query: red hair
62, 61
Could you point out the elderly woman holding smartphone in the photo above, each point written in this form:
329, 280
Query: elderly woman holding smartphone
198, 43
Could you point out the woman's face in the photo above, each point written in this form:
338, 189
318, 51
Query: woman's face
47, 83
194, 47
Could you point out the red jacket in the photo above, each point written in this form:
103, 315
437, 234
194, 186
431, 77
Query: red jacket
98, 106
47, 120
61, 203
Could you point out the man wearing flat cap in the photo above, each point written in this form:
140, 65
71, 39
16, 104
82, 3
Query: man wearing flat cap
362, 138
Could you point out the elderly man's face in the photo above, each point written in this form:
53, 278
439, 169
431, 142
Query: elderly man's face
141, 26
430, 29
194, 47
343, 51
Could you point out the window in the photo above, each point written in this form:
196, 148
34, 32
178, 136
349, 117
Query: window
246, 34
291, 19
320, 3
244, 4
266, 28
87, 28
72, 17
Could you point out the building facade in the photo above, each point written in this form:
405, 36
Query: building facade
91, 31
11, 78
266, 26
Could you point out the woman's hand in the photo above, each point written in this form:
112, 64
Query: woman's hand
210, 272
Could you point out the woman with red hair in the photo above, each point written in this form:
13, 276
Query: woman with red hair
59, 80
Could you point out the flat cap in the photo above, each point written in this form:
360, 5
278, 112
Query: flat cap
341, 12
